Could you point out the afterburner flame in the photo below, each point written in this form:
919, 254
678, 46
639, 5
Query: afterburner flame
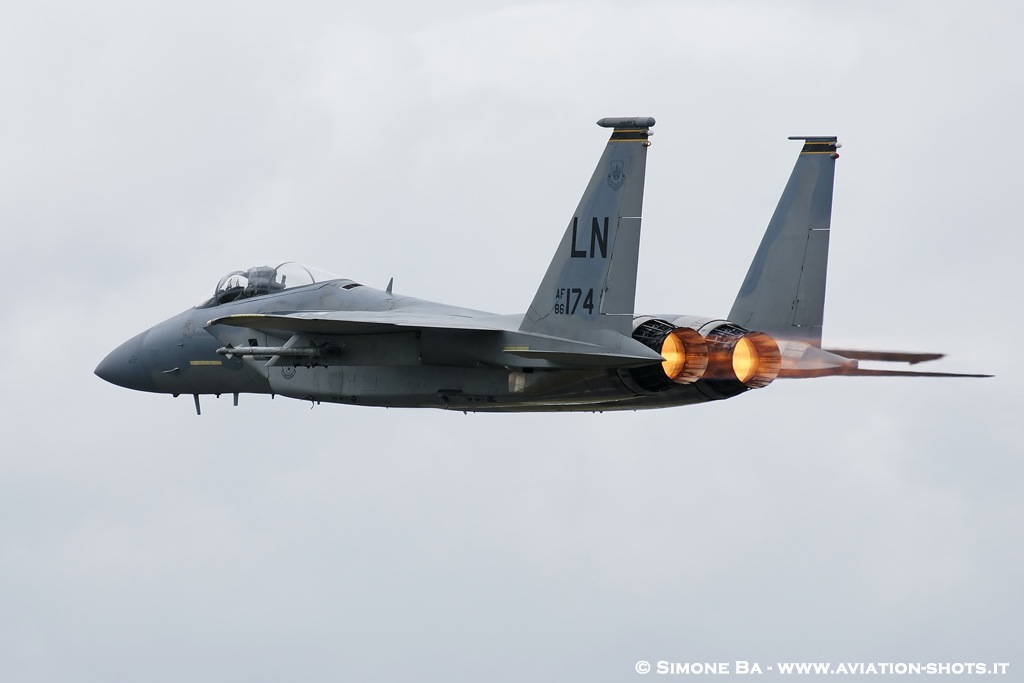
750, 358
685, 354
683, 350
744, 360
674, 352
756, 360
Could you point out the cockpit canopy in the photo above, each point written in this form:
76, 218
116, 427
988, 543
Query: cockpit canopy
260, 280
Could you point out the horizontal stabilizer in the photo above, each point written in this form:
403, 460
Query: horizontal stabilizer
862, 372
888, 356
802, 360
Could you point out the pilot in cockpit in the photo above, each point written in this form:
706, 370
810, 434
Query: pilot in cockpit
260, 280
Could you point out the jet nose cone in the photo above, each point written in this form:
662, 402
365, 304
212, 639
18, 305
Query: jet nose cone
124, 366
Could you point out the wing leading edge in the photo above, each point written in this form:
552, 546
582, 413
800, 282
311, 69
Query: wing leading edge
351, 322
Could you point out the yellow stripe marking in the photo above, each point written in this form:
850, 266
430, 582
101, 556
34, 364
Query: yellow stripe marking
205, 362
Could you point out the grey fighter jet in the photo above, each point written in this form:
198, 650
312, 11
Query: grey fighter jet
293, 331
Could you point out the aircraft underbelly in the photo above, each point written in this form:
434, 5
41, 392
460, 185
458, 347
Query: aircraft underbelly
389, 385
471, 389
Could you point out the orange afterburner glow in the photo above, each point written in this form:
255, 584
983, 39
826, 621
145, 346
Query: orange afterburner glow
744, 360
685, 354
756, 360
674, 352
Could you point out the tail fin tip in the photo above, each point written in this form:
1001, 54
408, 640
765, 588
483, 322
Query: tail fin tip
626, 122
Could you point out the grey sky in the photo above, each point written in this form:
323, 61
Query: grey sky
148, 148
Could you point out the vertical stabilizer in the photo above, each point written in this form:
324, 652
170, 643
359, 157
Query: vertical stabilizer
590, 286
784, 291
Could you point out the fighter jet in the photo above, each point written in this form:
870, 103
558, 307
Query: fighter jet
292, 331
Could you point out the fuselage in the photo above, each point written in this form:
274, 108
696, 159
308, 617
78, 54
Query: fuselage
440, 368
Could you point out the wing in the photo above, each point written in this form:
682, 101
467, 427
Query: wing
531, 349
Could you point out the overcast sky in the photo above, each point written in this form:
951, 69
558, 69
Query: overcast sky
148, 148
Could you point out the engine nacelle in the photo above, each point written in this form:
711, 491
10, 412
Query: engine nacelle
735, 353
704, 349
684, 351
